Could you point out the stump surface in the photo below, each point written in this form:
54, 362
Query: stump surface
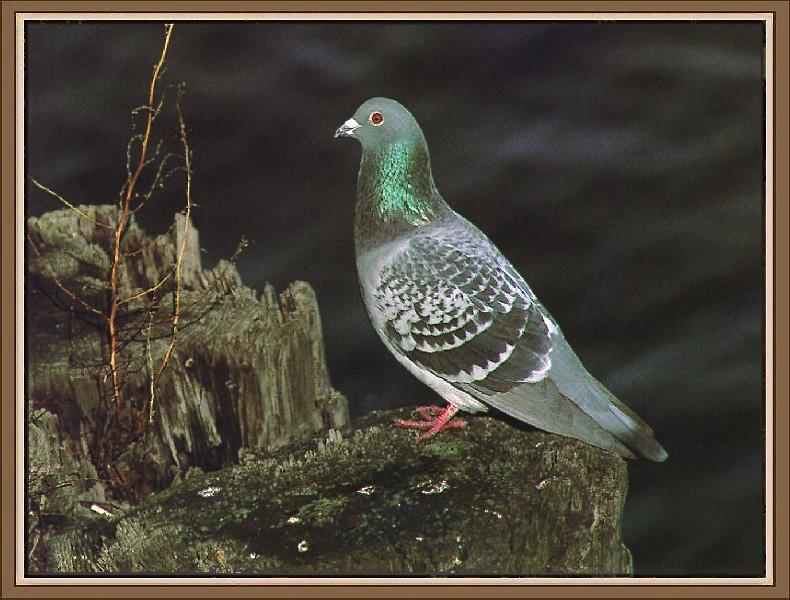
493, 499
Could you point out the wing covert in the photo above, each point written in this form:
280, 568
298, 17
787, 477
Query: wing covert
452, 304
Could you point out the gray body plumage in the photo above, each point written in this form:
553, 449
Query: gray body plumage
454, 311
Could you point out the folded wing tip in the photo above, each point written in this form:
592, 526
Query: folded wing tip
660, 455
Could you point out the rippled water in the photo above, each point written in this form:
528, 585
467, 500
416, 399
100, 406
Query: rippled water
618, 165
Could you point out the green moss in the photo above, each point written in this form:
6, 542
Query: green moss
323, 511
490, 500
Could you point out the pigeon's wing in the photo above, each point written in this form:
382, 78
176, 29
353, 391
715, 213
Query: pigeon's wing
453, 305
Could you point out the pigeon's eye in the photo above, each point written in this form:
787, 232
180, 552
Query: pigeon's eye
376, 118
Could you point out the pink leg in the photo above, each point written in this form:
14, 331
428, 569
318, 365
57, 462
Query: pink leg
427, 413
434, 420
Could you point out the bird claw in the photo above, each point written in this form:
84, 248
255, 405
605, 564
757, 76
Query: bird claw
412, 424
433, 419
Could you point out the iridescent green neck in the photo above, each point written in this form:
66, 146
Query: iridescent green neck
395, 183
395, 192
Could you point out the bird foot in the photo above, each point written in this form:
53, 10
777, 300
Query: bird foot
433, 419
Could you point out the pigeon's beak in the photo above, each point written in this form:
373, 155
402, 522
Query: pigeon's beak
347, 129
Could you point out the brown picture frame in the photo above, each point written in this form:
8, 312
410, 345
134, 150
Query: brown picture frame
774, 585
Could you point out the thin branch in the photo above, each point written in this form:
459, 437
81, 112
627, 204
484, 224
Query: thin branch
157, 182
185, 236
152, 390
122, 221
150, 290
84, 215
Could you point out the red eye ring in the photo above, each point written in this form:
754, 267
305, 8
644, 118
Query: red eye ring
376, 118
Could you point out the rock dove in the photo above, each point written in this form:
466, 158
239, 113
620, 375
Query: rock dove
455, 312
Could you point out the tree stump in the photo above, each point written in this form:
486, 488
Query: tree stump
494, 499
247, 374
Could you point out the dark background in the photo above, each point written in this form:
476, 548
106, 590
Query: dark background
618, 165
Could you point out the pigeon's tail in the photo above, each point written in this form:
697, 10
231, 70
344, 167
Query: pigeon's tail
572, 403
625, 424
586, 392
542, 405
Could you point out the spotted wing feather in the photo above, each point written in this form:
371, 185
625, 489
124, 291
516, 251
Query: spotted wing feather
454, 306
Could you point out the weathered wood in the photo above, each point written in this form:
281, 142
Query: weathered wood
247, 374
62, 487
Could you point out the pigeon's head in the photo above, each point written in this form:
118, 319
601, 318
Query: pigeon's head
380, 122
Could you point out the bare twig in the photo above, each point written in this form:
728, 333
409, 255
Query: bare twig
122, 222
179, 258
159, 179
152, 387
84, 215
150, 290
